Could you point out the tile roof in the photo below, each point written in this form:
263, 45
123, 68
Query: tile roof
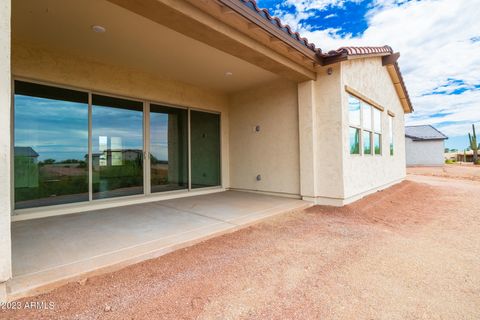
252, 4
424, 132
332, 56
359, 51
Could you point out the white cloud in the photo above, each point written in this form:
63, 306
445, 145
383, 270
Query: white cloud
438, 42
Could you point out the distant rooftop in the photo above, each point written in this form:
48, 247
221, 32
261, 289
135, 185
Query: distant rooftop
25, 152
424, 132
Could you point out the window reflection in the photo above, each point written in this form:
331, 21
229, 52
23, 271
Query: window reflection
168, 148
50, 143
205, 148
117, 141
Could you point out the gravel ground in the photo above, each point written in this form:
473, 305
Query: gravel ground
409, 252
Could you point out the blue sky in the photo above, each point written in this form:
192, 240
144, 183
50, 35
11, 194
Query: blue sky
439, 43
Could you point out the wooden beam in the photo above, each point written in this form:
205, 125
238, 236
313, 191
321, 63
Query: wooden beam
391, 113
227, 10
364, 98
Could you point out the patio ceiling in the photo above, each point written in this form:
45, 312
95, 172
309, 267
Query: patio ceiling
130, 40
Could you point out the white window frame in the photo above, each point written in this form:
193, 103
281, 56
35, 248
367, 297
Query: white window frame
356, 126
352, 93
391, 138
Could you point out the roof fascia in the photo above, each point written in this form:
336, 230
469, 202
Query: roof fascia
248, 14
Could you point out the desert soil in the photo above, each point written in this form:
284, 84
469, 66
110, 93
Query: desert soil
466, 171
409, 252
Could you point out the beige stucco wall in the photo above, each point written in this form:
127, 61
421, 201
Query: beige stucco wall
363, 174
5, 149
65, 68
273, 152
328, 101
425, 153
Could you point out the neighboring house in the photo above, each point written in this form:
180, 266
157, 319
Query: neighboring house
229, 95
460, 156
27, 160
424, 146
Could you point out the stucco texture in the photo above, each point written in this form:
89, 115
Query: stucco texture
328, 138
367, 173
424, 153
272, 152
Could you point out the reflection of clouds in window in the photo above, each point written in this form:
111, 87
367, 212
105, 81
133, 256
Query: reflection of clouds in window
53, 128
114, 122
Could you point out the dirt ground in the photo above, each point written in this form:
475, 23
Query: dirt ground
409, 252
466, 171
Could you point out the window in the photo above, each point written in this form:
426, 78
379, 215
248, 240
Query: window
367, 142
117, 140
354, 140
354, 111
77, 146
377, 134
50, 145
168, 148
205, 141
390, 133
354, 115
365, 121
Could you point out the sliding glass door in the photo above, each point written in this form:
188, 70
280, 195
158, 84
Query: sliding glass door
50, 145
168, 148
76, 146
205, 148
117, 147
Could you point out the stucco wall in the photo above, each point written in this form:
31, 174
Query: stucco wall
362, 174
424, 153
5, 150
273, 152
328, 138
67, 69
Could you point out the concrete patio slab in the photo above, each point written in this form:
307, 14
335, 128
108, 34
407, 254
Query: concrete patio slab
52, 251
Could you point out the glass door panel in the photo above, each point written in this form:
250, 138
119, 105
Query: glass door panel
117, 147
168, 148
205, 149
50, 145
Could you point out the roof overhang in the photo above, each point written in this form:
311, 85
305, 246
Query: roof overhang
390, 62
231, 28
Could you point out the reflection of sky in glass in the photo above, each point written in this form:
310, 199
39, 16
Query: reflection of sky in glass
159, 135
367, 116
117, 123
377, 120
54, 129
354, 111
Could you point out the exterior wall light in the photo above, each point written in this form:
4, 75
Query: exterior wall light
98, 29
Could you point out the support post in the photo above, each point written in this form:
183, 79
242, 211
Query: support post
307, 134
5, 148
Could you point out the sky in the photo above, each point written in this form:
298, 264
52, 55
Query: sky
438, 41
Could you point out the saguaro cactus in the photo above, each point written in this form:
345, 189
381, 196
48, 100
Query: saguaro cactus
473, 144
